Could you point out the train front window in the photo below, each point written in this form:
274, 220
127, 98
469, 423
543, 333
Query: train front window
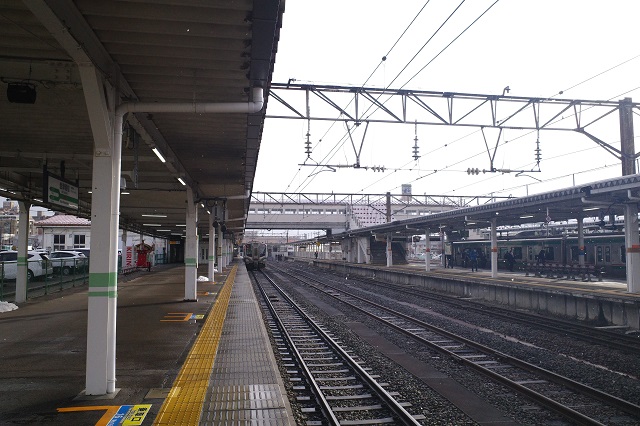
599, 257
607, 254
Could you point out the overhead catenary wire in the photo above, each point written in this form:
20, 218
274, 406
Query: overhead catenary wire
343, 139
513, 139
561, 92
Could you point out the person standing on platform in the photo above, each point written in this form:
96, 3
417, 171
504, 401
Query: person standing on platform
508, 256
473, 258
541, 257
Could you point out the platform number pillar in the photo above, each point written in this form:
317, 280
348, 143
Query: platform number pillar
211, 261
427, 251
191, 250
494, 248
632, 241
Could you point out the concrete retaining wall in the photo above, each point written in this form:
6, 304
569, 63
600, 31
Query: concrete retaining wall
596, 308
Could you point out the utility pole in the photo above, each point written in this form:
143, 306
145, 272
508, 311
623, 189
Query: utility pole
626, 138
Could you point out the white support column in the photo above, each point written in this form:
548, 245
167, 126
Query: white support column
219, 242
353, 249
494, 248
427, 252
223, 247
212, 250
581, 251
106, 127
23, 242
442, 258
364, 246
191, 250
389, 251
632, 242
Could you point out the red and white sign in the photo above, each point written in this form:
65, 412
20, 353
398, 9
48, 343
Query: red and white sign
128, 256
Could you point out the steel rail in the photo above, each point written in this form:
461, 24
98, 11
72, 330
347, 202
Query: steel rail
402, 414
561, 409
621, 342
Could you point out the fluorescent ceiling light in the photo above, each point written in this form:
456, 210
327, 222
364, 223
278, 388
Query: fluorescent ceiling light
175, 233
166, 230
125, 193
590, 209
158, 154
182, 182
153, 215
181, 225
526, 217
151, 224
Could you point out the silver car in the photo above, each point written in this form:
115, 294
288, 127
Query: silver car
68, 261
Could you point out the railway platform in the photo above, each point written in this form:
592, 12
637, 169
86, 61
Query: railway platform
207, 362
603, 303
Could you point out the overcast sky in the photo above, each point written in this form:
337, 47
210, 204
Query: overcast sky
536, 47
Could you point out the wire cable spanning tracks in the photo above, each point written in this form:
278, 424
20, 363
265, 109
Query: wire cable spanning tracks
551, 390
345, 393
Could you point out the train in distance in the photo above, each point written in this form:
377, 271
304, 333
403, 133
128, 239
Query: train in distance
255, 255
606, 252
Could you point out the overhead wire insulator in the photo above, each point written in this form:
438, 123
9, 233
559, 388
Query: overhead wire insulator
415, 143
472, 171
307, 146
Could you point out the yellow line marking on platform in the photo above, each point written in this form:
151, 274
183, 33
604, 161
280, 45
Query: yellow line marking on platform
177, 317
106, 417
183, 405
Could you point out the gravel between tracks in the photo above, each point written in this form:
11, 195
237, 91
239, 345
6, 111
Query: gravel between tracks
599, 367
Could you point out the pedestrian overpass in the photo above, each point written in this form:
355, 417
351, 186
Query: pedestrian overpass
335, 213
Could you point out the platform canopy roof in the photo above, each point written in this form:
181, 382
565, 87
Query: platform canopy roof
151, 51
597, 199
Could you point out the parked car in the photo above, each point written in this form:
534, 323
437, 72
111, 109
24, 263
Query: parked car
68, 261
38, 264
85, 251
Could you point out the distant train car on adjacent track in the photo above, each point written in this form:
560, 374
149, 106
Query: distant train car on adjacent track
255, 255
605, 251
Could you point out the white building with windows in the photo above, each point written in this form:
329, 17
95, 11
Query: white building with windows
68, 232
63, 232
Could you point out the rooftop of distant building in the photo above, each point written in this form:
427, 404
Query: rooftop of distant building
63, 220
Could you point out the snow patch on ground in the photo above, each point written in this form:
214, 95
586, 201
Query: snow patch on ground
6, 306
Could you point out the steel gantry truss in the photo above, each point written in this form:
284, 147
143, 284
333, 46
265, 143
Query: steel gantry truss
426, 200
358, 105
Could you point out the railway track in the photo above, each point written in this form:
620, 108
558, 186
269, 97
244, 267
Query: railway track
626, 343
573, 400
331, 385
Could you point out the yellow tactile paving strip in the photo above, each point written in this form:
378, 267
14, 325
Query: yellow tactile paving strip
183, 405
